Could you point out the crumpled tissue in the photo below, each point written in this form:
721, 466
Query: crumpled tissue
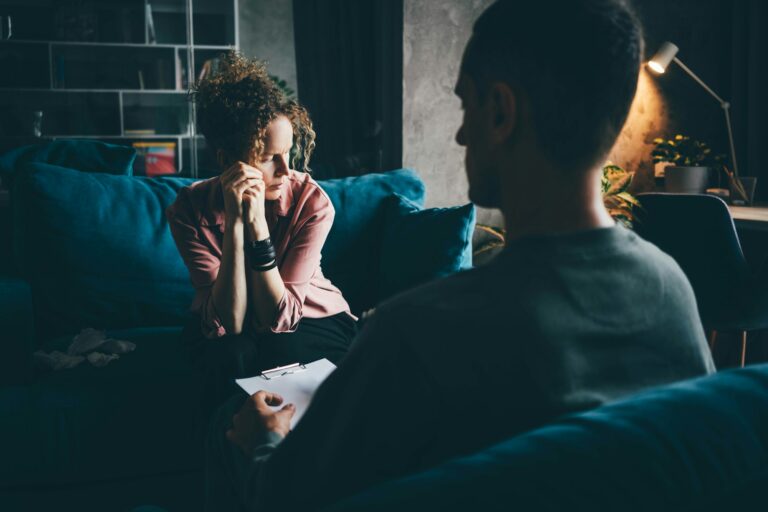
89, 345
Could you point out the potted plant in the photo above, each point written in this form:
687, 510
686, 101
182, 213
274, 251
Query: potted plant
688, 164
619, 203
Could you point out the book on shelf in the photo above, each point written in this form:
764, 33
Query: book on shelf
155, 158
151, 35
140, 132
179, 72
209, 67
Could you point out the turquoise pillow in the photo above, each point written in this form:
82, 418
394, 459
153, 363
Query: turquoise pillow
97, 249
352, 251
422, 245
83, 155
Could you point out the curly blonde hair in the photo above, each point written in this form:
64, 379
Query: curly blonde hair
236, 103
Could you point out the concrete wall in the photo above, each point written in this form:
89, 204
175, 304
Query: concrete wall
434, 35
266, 32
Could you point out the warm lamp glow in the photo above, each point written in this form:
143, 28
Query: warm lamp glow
647, 120
656, 67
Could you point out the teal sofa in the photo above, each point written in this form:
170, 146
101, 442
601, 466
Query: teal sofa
90, 247
694, 446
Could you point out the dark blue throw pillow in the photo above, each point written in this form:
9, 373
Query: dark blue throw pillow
82, 155
352, 251
422, 245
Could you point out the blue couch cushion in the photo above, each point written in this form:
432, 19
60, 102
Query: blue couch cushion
97, 249
83, 155
422, 245
352, 252
697, 445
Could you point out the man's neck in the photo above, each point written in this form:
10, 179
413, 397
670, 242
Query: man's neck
548, 201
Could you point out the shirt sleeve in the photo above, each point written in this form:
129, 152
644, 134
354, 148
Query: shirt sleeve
367, 422
299, 265
202, 264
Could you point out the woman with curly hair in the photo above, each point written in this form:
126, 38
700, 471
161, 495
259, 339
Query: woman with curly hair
251, 237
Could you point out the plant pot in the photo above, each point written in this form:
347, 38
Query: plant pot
686, 180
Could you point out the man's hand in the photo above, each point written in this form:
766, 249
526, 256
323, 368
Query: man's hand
236, 181
256, 417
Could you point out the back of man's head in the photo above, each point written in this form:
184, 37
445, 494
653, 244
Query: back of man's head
576, 62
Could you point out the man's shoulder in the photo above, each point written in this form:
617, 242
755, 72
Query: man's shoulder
654, 259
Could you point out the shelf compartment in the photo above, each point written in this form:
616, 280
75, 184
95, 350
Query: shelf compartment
64, 113
169, 18
24, 65
113, 67
214, 23
119, 21
155, 113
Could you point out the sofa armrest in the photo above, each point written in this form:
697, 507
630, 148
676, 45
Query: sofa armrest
16, 330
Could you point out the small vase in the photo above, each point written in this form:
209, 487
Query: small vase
686, 180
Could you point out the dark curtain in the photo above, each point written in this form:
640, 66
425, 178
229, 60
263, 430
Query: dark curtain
349, 66
750, 89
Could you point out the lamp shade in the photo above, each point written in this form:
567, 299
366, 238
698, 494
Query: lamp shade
663, 57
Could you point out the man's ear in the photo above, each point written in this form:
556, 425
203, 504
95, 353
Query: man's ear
503, 106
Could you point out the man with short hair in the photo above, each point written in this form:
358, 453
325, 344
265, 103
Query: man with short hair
576, 311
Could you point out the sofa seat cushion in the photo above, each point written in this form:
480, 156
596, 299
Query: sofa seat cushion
421, 245
136, 416
97, 250
17, 335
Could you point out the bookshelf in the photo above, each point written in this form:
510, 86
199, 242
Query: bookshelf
112, 70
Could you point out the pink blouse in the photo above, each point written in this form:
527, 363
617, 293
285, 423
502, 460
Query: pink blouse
299, 222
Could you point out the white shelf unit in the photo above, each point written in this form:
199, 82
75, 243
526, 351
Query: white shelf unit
109, 85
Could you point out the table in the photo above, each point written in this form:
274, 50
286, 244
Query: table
750, 217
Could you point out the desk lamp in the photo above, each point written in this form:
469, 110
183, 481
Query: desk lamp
658, 64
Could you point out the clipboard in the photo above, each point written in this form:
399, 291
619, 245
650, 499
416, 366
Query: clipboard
296, 383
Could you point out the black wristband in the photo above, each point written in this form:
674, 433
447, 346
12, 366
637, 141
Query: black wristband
261, 254
264, 268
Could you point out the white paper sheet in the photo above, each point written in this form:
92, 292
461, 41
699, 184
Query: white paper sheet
296, 387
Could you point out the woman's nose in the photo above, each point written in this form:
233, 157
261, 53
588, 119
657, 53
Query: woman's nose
282, 166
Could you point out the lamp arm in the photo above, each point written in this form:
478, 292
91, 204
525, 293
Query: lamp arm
700, 81
726, 109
